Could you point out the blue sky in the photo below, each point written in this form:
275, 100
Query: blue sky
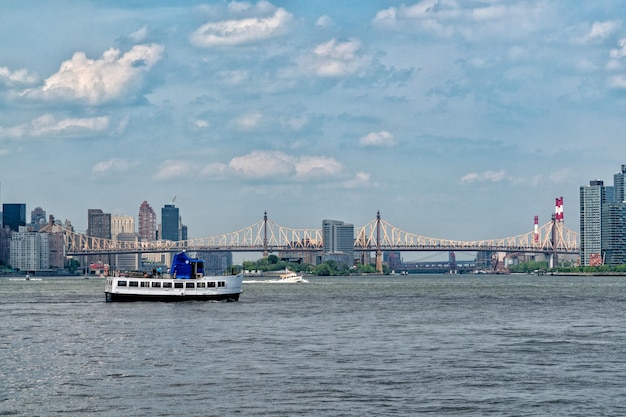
455, 119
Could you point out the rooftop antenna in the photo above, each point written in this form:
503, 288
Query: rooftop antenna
173, 199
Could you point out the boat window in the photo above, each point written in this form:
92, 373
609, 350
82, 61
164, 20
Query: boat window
210, 284
167, 285
133, 283
221, 284
178, 285
145, 284
121, 283
156, 285
201, 284
190, 285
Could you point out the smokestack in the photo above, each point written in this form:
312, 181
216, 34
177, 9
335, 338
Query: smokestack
536, 229
558, 210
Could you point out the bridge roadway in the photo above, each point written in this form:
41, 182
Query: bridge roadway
266, 236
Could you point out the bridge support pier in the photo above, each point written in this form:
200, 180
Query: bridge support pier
379, 253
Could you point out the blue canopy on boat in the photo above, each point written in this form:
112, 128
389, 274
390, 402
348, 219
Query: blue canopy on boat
184, 267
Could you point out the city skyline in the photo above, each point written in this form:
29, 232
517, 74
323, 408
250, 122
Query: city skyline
459, 120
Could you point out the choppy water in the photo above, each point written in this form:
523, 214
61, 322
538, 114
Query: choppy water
375, 346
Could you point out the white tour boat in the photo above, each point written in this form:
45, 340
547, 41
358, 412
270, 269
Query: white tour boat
185, 281
290, 276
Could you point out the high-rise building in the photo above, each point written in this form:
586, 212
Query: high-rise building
30, 251
122, 224
147, 222
603, 222
170, 222
338, 239
98, 224
13, 216
38, 218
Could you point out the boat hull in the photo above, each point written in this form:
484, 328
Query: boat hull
218, 288
113, 297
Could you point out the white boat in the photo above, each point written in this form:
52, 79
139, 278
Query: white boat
185, 281
290, 276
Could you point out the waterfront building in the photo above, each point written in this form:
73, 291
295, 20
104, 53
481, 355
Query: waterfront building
603, 222
338, 241
29, 251
98, 224
13, 216
170, 222
215, 263
147, 222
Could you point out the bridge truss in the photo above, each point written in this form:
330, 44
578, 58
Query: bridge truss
378, 235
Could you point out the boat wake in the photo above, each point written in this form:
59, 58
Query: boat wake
272, 281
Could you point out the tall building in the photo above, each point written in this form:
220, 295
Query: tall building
98, 224
38, 218
122, 224
170, 223
13, 216
147, 222
30, 251
338, 240
592, 198
603, 222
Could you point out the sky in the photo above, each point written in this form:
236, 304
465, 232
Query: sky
456, 119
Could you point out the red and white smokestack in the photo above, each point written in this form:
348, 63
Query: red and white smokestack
558, 210
536, 229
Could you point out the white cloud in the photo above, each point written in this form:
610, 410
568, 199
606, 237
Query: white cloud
18, 77
600, 30
272, 164
619, 52
250, 120
172, 169
487, 176
360, 180
324, 21
334, 59
112, 165
242, 31
48, 125
139, 35
100, 80
377, 139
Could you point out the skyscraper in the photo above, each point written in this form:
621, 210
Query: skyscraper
98, 224
170, 222
603, 222
338, 239
13, 216
147, 222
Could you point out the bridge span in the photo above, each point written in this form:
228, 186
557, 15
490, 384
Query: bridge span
267, 236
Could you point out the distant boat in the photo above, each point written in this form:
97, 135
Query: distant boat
185, 281
290, 276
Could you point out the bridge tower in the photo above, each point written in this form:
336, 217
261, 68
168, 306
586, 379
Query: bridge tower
557, 232
265, 251
379, 253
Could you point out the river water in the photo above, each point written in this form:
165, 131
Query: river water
436, 345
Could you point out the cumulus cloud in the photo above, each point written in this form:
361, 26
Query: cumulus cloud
334, 59
272, 164
48, 125
324, 21
19, 77
601, 30
100, 80
378, 139
487, 176
112, 165
245, 30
